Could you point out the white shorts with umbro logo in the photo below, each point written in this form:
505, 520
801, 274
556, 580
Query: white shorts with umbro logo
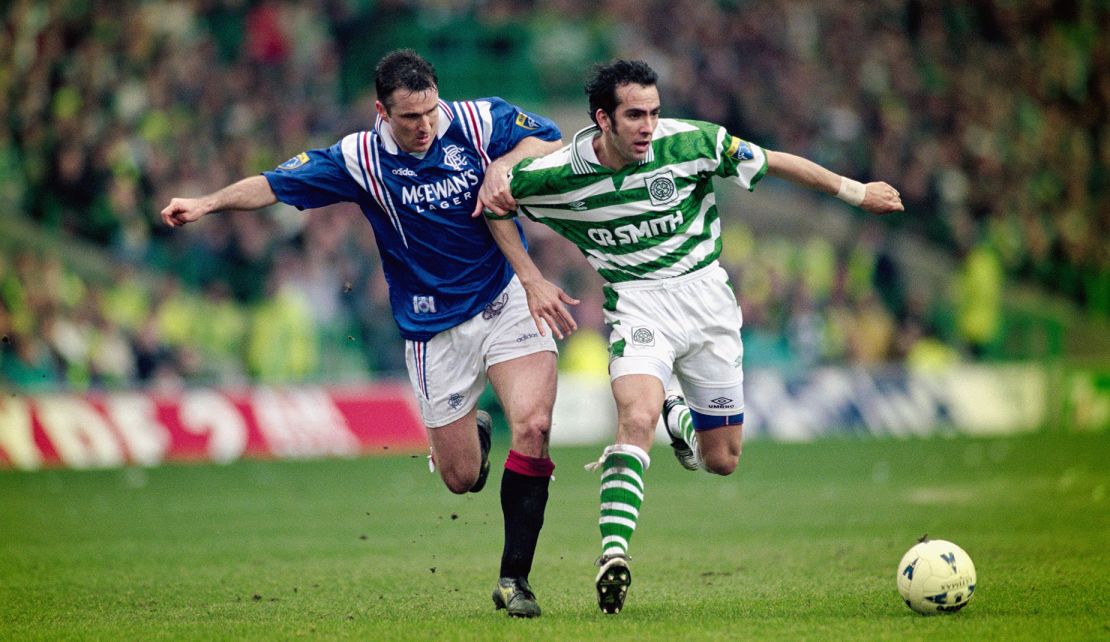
688, 327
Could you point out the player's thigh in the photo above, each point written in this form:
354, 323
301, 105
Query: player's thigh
639, 399
447, 374
721, 443
526, 385
711, 369
641, 333
521, 365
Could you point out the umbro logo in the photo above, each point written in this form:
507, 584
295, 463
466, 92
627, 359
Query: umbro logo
721, 402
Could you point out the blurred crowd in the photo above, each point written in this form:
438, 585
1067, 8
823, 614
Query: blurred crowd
990, 117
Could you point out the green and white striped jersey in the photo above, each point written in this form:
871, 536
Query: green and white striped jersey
653, 220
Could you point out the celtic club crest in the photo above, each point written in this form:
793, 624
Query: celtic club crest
661, 188
643, 336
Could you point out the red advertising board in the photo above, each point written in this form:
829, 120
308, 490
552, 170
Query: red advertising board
137, 428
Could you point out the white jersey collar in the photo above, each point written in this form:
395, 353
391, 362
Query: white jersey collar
385, 130
582, 152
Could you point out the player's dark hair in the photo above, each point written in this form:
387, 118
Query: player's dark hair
403, 69
605, 78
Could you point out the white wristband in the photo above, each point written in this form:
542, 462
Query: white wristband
851, 192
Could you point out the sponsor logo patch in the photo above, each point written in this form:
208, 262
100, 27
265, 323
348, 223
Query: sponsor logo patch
739, 150
721, 402
526, 121
403, 171
295, 162
578, 206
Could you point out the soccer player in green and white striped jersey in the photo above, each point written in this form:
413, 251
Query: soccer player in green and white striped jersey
635, 193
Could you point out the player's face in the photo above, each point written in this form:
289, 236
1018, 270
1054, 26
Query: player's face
628, 132
414, 116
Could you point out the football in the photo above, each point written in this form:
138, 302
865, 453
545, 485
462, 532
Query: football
936, 576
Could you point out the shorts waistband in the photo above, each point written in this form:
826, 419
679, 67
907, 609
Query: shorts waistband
662, 284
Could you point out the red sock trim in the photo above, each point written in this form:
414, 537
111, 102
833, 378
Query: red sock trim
529, 466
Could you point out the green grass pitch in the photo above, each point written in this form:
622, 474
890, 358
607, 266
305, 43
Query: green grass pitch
802, 543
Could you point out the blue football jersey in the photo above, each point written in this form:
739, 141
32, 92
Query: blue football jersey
443, 267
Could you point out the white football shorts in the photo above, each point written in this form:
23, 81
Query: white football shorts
448, 372
689, 327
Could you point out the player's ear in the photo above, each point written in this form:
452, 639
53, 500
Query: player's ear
602, 120
382, 111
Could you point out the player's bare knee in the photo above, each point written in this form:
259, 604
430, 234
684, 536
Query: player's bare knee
723, 462
721, 465
640, 421
531, 433
459, 482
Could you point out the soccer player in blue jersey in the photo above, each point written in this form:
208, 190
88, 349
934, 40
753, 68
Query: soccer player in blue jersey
419, 174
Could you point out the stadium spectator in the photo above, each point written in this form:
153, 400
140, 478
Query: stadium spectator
417, 176
635, 193
978, 295
283, 341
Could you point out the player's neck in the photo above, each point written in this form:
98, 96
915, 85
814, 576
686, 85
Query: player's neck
606, 155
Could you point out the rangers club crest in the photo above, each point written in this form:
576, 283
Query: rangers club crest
494, 308
454, 158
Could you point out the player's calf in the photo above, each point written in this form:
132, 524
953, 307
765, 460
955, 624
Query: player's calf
675, 414
485, 440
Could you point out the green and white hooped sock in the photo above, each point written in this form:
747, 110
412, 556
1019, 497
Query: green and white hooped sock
689, 435
622, 493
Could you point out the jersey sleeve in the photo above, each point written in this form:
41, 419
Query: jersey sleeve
741, 160
511, 124
522, 185
314, 178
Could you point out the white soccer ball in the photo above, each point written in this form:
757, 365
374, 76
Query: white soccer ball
936, 576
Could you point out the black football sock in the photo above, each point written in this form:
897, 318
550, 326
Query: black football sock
523, 501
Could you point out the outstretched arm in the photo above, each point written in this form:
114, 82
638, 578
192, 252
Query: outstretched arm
545, 299
250, 193
877, 198
494, 193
